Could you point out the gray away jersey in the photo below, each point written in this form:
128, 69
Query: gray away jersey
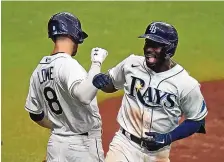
155, 101
50, 91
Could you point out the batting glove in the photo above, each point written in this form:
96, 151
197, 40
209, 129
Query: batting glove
155, 141
101, 80
98, 55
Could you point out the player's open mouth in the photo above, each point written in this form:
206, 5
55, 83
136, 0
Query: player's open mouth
151, 58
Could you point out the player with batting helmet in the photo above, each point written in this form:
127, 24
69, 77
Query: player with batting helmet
158, 91
57, 97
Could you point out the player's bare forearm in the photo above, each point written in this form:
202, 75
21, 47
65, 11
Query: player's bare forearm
45, 123
41, 120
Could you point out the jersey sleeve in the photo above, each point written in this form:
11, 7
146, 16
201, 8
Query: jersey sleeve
117, 74
193, 105
71, 73
33, 104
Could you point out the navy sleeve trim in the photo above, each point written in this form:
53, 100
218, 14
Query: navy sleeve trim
37, 117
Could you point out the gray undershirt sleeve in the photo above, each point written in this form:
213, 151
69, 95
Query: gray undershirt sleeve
85, 90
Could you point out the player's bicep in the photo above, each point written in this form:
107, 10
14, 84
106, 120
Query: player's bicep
193, 105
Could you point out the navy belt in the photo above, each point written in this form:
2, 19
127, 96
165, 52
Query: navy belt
133, 138
140, 141
84, 134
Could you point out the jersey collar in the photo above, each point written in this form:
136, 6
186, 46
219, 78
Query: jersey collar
174, 70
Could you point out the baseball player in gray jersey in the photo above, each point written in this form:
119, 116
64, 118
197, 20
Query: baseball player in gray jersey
158, 91
62, 98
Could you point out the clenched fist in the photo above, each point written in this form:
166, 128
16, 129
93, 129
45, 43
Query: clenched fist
98, 55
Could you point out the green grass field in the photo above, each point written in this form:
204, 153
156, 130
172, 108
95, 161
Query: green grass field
111, 25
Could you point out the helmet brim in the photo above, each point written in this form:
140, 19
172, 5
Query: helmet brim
154, 38
84, 34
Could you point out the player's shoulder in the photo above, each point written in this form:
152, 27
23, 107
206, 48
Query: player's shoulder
186, 77
134, 59
65, 58
185, 82
64, 61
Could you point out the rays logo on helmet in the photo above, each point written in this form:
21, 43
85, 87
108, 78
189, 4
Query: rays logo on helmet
152, 29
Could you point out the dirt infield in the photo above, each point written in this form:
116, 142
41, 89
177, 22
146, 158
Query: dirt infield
197, 148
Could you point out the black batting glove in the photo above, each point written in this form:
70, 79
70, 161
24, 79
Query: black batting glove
101, 80
154, 141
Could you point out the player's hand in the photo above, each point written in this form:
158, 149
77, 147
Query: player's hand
155, 141
98, 55
101, 80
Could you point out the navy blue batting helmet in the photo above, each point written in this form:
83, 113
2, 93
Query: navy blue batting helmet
163, 33
64, 23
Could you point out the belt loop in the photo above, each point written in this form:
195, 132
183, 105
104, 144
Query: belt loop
128, 135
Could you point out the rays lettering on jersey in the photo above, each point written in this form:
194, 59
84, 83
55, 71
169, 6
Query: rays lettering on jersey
46, 74
151, 97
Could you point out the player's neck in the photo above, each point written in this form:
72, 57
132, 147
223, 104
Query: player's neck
168, 64
63, 46
61, 50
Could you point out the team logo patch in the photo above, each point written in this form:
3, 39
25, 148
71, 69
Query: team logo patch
151, 97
